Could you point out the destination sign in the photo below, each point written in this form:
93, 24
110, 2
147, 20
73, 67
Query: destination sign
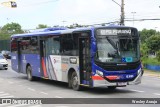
114, 32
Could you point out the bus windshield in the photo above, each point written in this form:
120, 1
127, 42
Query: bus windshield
117, 49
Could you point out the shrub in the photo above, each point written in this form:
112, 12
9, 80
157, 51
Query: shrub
158, 55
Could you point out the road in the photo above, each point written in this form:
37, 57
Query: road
14, 85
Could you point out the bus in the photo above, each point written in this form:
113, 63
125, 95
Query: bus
104, 56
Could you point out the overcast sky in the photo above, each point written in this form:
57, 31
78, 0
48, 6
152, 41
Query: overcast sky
30, 13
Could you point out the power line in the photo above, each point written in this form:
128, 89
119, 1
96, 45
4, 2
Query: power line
142, 19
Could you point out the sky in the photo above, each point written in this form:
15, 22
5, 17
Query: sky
30, 13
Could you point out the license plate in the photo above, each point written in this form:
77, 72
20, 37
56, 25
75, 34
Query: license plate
122, 83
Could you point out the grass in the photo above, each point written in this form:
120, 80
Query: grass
151, 61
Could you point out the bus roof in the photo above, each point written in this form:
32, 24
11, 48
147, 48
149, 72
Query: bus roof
57, 31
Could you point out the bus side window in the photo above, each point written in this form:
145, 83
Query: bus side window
67, 46
56, 45
53, 46
34, 45
14, 45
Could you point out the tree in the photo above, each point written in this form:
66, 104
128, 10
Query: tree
153, 43
74, 25
11, 28
42, 26
145, 34
144, 51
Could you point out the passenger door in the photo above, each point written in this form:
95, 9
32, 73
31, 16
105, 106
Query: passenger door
85, 58
42, 59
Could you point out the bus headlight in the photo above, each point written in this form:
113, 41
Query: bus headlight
99, 72
139, 71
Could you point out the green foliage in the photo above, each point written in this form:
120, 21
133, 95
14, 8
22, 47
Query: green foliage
150, 42
158, 55
75, 25
145, 34
40, 26
151, 61
153, 43
144, 51
11, 28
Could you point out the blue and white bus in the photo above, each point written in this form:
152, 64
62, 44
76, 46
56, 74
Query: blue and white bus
92, 57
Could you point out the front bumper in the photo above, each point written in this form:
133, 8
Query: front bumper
3, 66
99, 83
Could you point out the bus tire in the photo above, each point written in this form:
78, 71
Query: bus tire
74, 82
29, 73
112, 87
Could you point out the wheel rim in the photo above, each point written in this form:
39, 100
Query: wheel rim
29, 73
75, 82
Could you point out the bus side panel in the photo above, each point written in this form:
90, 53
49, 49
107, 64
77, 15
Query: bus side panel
34, 61
69, 62
58, 66
14, 62
53, 63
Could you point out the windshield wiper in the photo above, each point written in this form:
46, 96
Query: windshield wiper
112, 43
115, 46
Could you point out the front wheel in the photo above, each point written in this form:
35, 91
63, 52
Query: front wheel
29, 73
74, 82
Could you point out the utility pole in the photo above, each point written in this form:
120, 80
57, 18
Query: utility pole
122, 13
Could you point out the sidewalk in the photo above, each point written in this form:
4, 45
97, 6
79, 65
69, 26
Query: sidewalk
152, 73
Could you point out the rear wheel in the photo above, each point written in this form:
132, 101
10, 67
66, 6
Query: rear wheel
74, 82
6, 68
29, 73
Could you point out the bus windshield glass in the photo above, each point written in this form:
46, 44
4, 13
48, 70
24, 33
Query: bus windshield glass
117, 48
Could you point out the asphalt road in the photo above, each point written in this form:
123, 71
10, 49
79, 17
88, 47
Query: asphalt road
14, 85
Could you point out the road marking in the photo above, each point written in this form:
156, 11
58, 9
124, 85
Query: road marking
137, 91
156, 93
17, 105
62, 106
4, 105
7, 96
4, 94
35, 106
58, 97
31, 89
44, 93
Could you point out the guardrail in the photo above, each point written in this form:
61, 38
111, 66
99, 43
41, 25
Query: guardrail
153, 67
